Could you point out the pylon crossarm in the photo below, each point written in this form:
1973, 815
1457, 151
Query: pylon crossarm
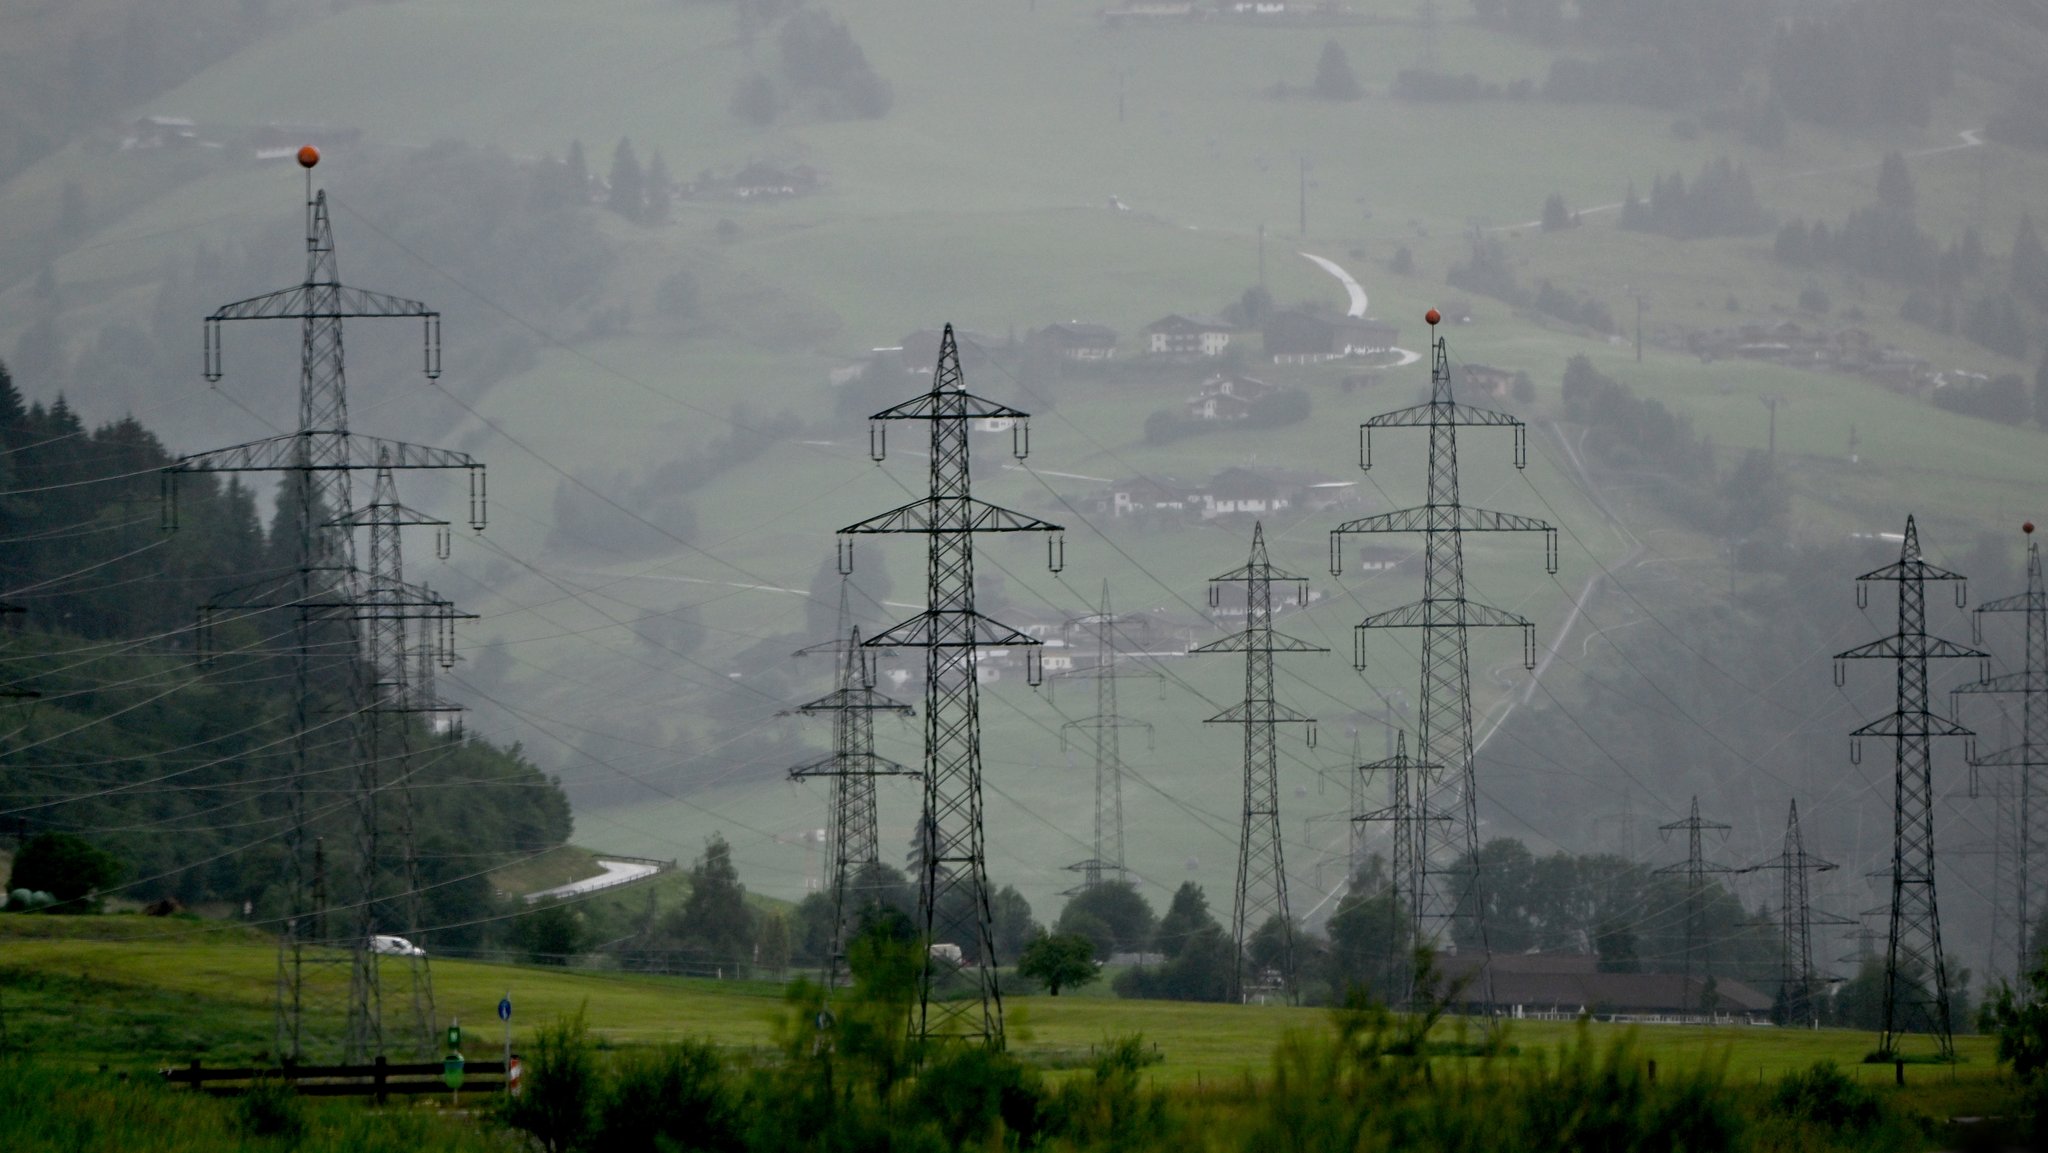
1912, 725
2029, 681
2016, 603
926, 630
312, 300
942, 515
392, 515
1912, 569
1438, 412
283, 453
1259, 640
1259, 712
858, 700
949, 404
2022, 756
1469, 520
1907, 645
850, 764
1464, 614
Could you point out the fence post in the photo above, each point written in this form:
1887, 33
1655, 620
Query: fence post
1899, 1074
380, 1075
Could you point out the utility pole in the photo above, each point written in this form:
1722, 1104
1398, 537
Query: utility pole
852, 842
1797, 979
1105, 729
2026, 758
953, 897
1447, 861
1695, 867
1913, 953
324, 592
1261, 895
1304, 195
1406, 784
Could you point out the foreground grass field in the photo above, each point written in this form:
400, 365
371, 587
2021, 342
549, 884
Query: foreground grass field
135, 994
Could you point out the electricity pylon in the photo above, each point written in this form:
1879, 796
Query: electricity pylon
2027, 757
1796, 976
953, 895
1448, 862
1695, 868
852, 842
1105, 730
1261, 865
1405, 818
1913, 953
408, 630
323, 591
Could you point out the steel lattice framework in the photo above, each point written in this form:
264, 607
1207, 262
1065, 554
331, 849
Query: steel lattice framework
1105, 730
1261, 864
331, 613
1404, 818
953, 893
1446, 861
1798, 982
852, 844
408, 631
2026, 757
1913, 955
1695, 869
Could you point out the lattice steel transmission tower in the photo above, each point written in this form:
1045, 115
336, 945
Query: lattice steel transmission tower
1105, 733
953, 895
1695, 868
1913, 955
1447, 861
1797, 979
2024, 812
1261, 864
319, 979
852, 843
408, 630
1404, 777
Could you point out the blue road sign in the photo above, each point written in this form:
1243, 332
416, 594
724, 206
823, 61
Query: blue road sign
505, 1009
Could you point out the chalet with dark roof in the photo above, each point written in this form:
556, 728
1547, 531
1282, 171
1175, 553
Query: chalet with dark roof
1184, 335
1076, 341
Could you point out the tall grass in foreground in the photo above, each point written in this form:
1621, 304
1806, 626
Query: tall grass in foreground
44, 1109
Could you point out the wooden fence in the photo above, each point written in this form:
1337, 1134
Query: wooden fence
380, 1079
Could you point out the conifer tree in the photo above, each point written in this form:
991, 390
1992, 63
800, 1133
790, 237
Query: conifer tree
628, 186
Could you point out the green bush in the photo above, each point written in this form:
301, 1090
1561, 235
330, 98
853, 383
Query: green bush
558, 1106
675, 1099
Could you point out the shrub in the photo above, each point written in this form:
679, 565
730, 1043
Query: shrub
558, 1105
677, 1097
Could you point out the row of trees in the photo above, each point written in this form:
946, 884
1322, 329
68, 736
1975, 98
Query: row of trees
821, 66
108, 640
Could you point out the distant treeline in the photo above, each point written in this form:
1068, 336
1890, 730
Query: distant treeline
1866, 65
183, 772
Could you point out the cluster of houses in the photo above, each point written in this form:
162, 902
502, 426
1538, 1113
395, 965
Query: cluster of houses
1290, 336
264, 141
759, 181
1233, 492
1851, 350
1320, 13
1568, 986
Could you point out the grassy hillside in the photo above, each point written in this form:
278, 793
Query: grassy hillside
983, 198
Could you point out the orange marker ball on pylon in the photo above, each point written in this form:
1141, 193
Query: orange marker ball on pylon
1432, 316
308, 156
2028, 528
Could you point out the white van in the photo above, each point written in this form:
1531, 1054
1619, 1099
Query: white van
389, 946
